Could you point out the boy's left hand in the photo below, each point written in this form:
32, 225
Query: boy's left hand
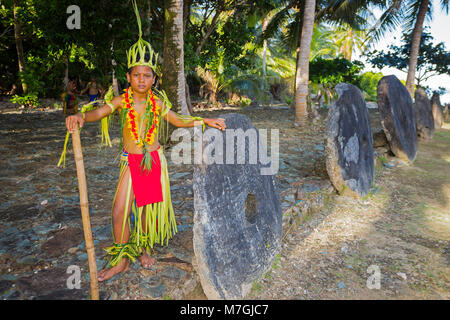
218, 123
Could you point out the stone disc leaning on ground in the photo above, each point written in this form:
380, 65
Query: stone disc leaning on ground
424, 114
436, 109
349, 143
398, 117
238, 217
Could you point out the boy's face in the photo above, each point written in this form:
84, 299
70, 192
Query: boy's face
141, 79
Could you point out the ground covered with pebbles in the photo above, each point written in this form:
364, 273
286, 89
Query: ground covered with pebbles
329, 241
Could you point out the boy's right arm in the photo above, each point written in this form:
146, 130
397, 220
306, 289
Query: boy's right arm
77, 120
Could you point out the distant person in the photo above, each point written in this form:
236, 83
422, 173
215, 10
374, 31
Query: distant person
69, 98
95, 90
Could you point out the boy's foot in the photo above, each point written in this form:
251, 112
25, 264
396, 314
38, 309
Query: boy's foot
146, 260
106, 274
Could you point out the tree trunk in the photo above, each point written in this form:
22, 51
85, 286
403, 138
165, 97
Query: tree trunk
19, 46
186, 14
415, 46
173, 79
297, 50
188, 98
66, 71
115, 83
302, 73
208, 32
264, 57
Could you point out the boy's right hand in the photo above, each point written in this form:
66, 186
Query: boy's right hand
74, 122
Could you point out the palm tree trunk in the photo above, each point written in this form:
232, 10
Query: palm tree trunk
173, 79
415, 46
297, 50
19, 46
186, 14
264, 57
302, 73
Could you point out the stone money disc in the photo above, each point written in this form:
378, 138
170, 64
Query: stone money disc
238, 217
424, 114
398, 117
436, 108
349, 143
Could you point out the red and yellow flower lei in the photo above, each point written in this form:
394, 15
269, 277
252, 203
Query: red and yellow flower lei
132, 115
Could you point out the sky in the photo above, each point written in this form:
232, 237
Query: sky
440, 30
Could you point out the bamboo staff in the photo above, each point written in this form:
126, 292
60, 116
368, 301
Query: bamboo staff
76, 142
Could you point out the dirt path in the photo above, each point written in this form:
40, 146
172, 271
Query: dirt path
401, 233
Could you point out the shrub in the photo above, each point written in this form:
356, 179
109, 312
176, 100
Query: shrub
245, 102
368, 83
29, 100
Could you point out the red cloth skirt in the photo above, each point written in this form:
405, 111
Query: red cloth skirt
146, 184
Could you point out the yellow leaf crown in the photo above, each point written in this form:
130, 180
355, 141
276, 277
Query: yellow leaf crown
138, 53
141, 50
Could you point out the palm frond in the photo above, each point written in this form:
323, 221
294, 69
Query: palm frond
445, 5
292, 32
389, 20
274, 26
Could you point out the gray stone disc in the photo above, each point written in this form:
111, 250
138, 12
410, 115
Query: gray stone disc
398, 117
436, 109
349, 143
424, 114
238, 218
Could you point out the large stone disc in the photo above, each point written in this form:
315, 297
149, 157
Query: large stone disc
424, 114
398, 117
436, 109
349, 143
238, 217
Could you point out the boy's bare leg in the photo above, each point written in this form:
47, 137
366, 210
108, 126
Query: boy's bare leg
117, 221
146, 260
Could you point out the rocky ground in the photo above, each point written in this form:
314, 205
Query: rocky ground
329, 241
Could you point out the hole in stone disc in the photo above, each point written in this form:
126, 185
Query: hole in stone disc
364, 139
251, 208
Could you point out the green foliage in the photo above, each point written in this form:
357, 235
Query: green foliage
330, 72
29, 100
433, 59
245, 102
231, 56
325, 74
47, 42
368, 83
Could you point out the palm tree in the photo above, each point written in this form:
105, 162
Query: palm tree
411, 15
302, 73
293, 15
173, 81
348, 40
415, 44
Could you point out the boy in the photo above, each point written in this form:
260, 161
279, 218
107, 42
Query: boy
143, 174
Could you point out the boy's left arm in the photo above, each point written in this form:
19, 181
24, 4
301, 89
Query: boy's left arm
183, 121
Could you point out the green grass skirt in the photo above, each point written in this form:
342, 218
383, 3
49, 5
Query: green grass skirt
159, 219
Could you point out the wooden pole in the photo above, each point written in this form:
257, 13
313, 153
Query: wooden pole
82, 186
